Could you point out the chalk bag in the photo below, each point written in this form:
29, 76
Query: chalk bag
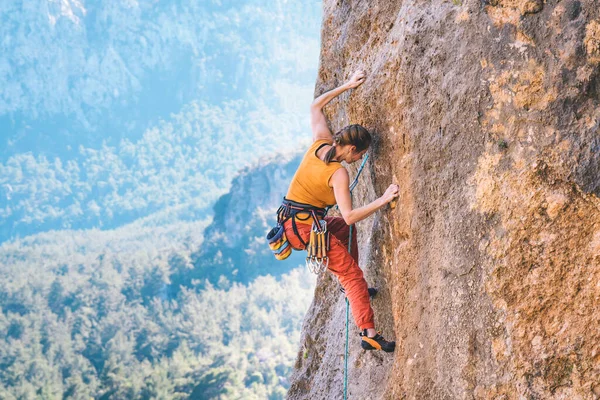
278, 243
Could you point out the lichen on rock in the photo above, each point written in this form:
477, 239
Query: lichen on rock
510, 11
592, 41
525, 87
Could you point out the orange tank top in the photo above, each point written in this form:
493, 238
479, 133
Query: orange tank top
310, 184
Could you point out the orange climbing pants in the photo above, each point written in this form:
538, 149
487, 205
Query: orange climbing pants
343, 265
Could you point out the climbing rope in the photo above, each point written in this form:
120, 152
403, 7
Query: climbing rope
352, 186
347, 314
355, 181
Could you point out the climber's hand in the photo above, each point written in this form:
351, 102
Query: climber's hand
356, 79
391, 193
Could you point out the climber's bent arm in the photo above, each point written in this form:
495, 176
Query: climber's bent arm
340, 182
318, 122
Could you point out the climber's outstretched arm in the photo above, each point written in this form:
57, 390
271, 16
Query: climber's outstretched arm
318, 122
340, 181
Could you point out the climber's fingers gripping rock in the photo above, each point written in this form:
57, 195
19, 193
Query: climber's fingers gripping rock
357, 79
392, 192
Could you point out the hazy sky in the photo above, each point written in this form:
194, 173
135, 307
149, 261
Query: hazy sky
115, 110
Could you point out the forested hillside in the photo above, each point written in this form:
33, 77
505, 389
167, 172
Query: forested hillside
122, 123
113, 111
131, 313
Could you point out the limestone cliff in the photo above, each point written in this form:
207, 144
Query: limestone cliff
486, 113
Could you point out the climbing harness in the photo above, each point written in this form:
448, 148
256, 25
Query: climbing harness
278, 242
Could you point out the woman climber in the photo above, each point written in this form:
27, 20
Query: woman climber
322, 181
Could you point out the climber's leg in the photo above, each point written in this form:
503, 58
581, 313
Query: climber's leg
338, 227
341, 230
352, 280
344, 266
303, 231
350, 275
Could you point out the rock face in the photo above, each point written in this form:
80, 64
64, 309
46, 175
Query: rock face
486, 113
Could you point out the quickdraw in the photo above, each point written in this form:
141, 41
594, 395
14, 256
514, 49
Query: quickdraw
318, 246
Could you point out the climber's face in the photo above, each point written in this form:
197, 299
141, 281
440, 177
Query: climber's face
349, 154
355, 155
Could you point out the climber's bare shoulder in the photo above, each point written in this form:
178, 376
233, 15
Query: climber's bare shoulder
339, 181
318, 124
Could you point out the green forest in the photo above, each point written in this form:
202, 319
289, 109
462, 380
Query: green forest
94, 314
133, 263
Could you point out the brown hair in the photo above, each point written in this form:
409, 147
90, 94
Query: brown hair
354, 135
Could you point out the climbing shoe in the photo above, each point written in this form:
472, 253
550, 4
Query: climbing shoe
372, 291
376, 342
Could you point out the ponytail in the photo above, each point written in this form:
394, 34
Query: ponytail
330, 154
